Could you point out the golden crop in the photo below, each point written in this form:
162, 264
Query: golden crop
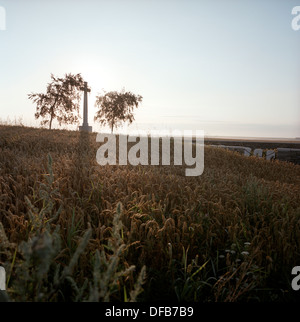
221, 236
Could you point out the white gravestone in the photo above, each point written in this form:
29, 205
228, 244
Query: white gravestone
258, 153
270, 154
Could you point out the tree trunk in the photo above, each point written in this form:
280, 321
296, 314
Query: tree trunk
52, 114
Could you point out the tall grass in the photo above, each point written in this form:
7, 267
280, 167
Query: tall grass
72, 230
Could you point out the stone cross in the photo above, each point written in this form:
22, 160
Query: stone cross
85, 125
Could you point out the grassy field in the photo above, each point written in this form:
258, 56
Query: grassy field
72, 230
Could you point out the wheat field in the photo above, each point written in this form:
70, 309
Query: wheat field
72, 230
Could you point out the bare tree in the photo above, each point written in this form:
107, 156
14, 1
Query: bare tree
61, 100
116, 107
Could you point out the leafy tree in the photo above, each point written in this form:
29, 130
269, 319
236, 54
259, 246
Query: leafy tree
61, 100
116, 107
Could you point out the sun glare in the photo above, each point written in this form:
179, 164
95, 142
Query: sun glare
100, 75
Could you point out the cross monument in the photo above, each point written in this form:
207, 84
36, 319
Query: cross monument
85, 125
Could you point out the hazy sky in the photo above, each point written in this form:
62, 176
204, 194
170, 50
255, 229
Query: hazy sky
228, 67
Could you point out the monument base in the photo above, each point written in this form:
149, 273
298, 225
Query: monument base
85, 128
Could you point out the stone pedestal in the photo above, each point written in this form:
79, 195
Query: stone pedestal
85, 128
